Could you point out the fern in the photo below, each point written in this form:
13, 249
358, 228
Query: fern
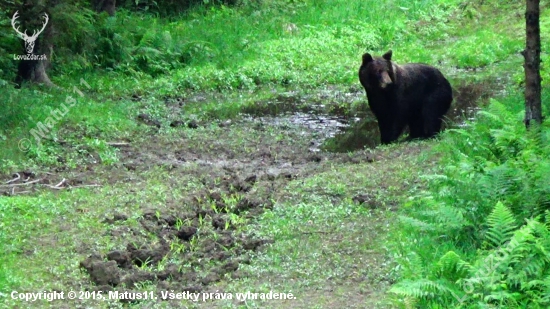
417, 224
501, 226
421, 289
494, 179
452, 267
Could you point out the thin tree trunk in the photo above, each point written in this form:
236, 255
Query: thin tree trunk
33, 71
532, 64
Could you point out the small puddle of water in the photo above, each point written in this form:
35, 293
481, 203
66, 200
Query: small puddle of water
328, 132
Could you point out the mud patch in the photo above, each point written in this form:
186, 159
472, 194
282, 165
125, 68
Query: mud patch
181, 249
361, 134
330, 101
197, 238
332, 116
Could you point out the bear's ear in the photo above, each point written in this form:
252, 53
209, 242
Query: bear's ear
367, 58
387, 55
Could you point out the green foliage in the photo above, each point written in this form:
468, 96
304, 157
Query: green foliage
489, 209
170, 7
9, 43
84, 126
258, 42
513, 275
75, 37
501, 226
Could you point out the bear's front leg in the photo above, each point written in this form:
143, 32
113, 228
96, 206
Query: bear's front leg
390, 130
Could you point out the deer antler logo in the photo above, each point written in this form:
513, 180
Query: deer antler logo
29, 40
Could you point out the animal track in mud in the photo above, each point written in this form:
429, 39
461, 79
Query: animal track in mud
209, 243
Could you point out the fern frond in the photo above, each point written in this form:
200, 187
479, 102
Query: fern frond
420, 289
452, 267
502, 225
447, 217
418, 224
490, 115
546, 288
503, 298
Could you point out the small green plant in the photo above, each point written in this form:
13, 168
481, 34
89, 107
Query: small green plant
179, 223
177, 248
194, 244
236, 220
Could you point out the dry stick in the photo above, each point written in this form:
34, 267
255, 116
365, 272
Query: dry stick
57, 186
15, 179
60, 183
315, 232
73, 187
85, 186
22, 184
117, 144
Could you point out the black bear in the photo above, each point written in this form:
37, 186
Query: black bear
417, 95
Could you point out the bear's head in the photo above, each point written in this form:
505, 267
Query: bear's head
377, 72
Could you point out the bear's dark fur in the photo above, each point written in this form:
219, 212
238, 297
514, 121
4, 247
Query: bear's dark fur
414, 94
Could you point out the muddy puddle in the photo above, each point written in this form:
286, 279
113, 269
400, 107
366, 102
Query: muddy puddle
336, 121
335, 128
320, 127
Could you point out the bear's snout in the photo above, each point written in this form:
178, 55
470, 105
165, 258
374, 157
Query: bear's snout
385, 80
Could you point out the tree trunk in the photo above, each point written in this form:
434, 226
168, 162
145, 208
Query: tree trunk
532, 64
108, 6
34, 69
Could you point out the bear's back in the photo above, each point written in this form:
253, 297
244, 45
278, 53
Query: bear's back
421, 75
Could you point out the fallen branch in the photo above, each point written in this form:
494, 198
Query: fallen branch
315, 232
22, 184
60, 183
85, 186
20, 192
57, 187
15, 179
